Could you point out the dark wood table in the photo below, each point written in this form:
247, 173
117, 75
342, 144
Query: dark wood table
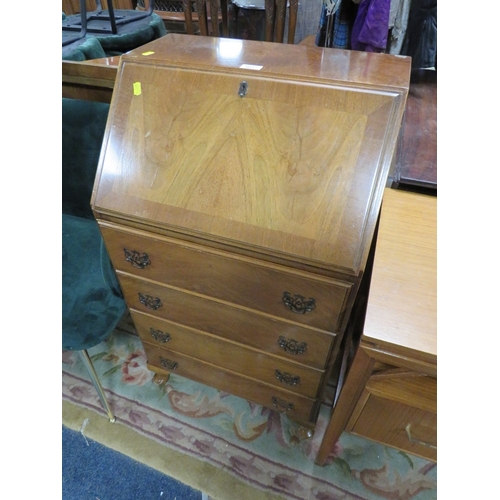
416, 163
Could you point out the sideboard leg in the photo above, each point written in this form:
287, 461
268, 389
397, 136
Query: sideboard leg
357, 377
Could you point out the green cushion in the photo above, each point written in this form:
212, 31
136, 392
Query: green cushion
83, 125
95, 46
91, 298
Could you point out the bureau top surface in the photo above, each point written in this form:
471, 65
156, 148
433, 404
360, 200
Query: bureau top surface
402, 306
278, 149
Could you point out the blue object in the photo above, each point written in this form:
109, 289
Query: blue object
91, 470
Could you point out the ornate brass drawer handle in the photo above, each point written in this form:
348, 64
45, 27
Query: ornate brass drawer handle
160, 336
168, 364
292, 346
281, 405
139, 260
150, 302
287, 378
298, 304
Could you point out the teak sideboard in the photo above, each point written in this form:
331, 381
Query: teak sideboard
238, 192
390, 393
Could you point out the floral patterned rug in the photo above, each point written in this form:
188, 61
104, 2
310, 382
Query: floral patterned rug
254, 444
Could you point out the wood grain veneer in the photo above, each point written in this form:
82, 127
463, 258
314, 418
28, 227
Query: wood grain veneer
246, 177
392, 382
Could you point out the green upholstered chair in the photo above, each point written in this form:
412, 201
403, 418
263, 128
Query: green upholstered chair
92, 302
104, 33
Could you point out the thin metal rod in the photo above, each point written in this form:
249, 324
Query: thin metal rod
95, 380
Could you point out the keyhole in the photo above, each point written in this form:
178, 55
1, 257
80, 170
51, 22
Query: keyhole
243, 89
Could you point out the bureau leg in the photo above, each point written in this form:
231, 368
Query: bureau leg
361, 368
160, 379
300, 433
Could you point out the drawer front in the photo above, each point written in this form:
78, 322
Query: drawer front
295, 296
291, 341
398, 425
228, 355
294, 405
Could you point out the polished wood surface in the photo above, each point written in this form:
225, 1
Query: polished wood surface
89, 80
296, 406
399, 425
244, 326
405, 276
233, 356
260, 285
393, 374
417, 158
237, 192
257, 172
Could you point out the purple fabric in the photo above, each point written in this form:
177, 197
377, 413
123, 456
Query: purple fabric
371, 26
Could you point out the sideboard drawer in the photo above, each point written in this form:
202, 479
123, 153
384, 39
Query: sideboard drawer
228, 355
398, 425
294, 405
399, 408
296, 296
292, 341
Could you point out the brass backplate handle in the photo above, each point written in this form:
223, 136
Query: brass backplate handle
160, 336
298, 303
168, 364
137, 259
281, 405
287, 378
150, 302
292, 346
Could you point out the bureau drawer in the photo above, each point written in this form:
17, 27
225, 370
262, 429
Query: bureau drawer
304, 345
293, 295
294, 405
228, 355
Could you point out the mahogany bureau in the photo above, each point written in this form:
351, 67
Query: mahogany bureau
237, 193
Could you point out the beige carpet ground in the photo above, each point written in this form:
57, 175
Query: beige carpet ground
198, 474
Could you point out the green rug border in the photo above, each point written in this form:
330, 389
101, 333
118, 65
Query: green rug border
200, 475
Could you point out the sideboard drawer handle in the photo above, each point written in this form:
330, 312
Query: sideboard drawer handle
150, 302
416, 441
138, 260
160, 336
298, 304
168, 364
281, 405
287, 378
292, 346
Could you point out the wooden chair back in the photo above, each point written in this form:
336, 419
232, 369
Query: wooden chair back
275, 20
275, 11
207, 9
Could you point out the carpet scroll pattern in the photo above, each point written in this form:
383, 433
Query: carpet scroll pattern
256, 445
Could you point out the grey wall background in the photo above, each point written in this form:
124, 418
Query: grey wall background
307, 19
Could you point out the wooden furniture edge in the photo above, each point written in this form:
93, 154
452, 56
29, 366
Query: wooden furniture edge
92, 80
